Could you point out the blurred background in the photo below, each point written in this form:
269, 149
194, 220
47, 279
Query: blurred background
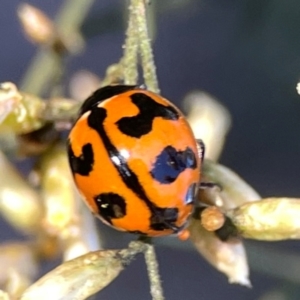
246, 53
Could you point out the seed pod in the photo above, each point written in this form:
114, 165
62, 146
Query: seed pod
210, 121
269, 219
81, 277
82, 84
19, 112
19, 203
228, 257
86, 238
63, 207
62, 112
58, 191
36, 25
4, 296
233, 190
19, 267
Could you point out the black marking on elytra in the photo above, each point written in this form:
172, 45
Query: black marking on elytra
102, 94
95, 120
149, 109
171, 162
83, 164
110, 206
164, 218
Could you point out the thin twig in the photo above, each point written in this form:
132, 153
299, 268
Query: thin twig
130, 58
148, 65
153, 273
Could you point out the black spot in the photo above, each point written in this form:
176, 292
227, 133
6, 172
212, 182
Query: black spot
141, 124
110, 206
190, 195
161, 218
170, 163
95, 121
164, 218
83, 164
103, 94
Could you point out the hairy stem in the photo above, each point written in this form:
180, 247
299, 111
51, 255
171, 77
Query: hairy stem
153, 273
130, 58
138, 41
148, 65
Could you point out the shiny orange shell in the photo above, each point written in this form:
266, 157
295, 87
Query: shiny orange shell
135, 161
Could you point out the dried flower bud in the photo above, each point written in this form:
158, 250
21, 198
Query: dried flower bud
82, 84
209, 120
19, 203
19, 267
64, 216
62, 112
234, 190
269, 219
36, 25
87, 237
228, 257
19, 112
4, 296
81, 277
42, 31
212, 218
16, 283
58, 191
114, 74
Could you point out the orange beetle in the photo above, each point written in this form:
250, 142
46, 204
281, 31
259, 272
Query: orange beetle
135, 160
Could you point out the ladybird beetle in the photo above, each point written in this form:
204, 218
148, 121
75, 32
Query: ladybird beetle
135, 160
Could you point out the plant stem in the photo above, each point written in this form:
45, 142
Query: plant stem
130, 58
45, 64
138, 41
153, 273
148, 65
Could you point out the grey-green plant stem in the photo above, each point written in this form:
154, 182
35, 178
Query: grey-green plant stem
45, 64
138, 42
153, 273
130, 57
148, 65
